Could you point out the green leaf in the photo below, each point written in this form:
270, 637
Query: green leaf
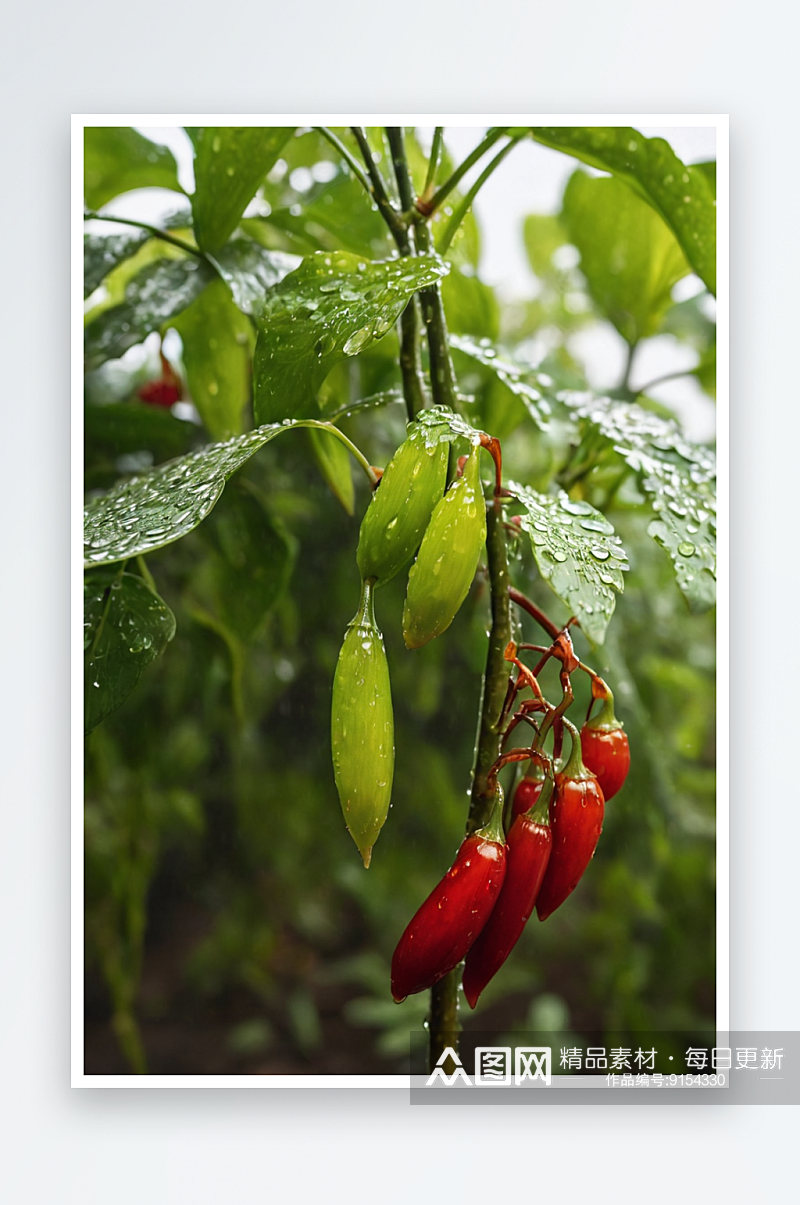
470, 305
230, 162
577, 553
630, 259
102, 253
159, 292
216, 339
333, 216
250, 271
117, 159
678, 479
333, 462
253, 559
682, 195
125, 627
543, 234
510, 376
120, 428
333, 306
437, 424
160, 506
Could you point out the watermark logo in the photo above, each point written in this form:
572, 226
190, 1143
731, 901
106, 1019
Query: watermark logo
495, 1066
439, 1070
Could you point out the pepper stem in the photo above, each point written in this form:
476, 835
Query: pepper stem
575, 767
540, 812
365, 615
605, 718
493, 829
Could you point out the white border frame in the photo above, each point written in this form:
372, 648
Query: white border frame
721, 123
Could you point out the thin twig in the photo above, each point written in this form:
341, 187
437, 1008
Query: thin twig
154, 230
429, 207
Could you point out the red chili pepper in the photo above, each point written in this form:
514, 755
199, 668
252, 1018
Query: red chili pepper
165, 390
445, 926
576, 817
529, 844
606, 751
528, 791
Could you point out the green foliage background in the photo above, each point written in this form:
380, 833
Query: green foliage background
230, 925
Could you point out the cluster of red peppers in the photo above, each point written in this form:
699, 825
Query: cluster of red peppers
531, 855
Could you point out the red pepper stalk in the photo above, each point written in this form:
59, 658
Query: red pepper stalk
576, 817
605, 744
445, 926
529, 844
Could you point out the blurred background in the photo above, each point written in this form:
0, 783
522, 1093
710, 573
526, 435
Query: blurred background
230, 925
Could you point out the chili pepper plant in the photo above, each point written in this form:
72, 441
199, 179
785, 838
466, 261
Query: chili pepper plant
345, 507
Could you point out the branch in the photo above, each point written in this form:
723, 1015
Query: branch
495, 681
433, 164
349, 158
458, 217
392, 218
429, 207
154, 230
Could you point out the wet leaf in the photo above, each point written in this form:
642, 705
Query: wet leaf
678, 479
158, 507
102, 253
436, 424
333, 306
577, 553
117, 159
159, 292
524, 384
250, 271
162, 505
229, 164
630, 259
216, 339
125, 627
682, 195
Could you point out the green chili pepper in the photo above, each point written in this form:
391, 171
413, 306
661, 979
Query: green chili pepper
441, 576
362, 728
401, 507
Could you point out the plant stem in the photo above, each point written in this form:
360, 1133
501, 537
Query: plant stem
495, 679
444, 994
443, 1017
443, 377
625, 383
452, 226
355, 452
668, 376
433, 163
480, 150
410, 323
156, 233
411, 359
523, 601
392, 218
348, 156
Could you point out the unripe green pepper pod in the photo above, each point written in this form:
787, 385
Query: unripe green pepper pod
442, 574
401, 507
362, 728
